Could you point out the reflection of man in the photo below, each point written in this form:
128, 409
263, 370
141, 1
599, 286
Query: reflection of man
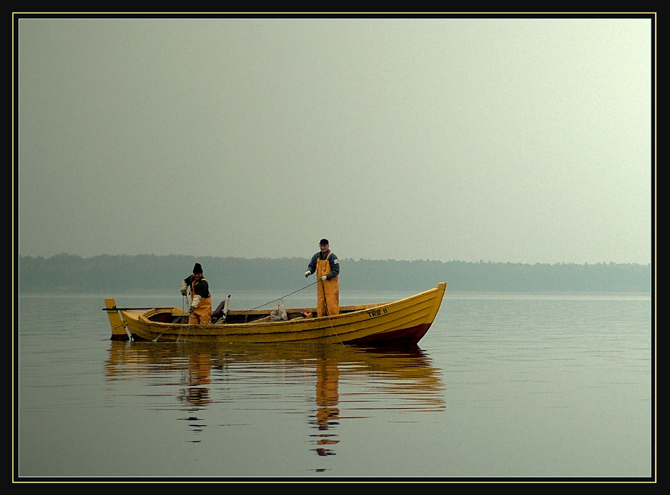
199, 369
327, 399
327, 268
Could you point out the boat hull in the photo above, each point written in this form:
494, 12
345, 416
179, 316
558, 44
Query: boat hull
404, 321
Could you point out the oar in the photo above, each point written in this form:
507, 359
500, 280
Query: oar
136, 309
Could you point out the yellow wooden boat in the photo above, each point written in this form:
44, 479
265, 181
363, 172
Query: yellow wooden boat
404, 321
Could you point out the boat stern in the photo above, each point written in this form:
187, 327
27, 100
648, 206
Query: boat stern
115, 321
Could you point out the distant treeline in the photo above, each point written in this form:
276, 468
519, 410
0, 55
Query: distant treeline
103, 274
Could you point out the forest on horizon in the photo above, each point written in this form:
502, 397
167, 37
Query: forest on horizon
105, 273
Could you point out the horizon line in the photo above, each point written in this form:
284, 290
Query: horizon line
480, 261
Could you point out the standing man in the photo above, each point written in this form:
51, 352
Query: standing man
201, 300
327, 268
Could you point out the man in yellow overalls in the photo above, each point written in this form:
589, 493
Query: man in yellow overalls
200, 309
327, 268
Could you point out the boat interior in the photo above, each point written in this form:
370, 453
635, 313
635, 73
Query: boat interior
221, 315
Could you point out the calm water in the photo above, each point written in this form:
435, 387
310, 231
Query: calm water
503, 385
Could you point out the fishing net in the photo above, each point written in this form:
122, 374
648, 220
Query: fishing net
279, 313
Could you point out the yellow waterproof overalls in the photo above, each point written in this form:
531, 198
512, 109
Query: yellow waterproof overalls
203, 313
328, 291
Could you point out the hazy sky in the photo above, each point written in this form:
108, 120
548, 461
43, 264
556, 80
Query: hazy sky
522, 140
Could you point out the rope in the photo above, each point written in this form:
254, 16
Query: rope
334, 331
330, 322
282, 297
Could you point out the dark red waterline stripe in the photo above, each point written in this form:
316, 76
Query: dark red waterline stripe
410, 335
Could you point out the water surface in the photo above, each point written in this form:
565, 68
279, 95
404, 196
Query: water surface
502, 386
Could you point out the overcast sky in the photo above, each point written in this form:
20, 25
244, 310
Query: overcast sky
521, 140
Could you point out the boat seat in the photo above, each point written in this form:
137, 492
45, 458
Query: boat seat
221, 311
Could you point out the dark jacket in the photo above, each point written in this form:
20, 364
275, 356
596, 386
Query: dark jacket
201, 288
334, 263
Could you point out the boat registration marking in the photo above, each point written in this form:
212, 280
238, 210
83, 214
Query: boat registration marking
377, 312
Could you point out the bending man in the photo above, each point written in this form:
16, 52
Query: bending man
201, 300
327, 268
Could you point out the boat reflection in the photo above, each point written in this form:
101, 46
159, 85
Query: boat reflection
376, 379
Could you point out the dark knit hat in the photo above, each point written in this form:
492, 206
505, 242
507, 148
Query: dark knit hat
197, 268
323, 241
